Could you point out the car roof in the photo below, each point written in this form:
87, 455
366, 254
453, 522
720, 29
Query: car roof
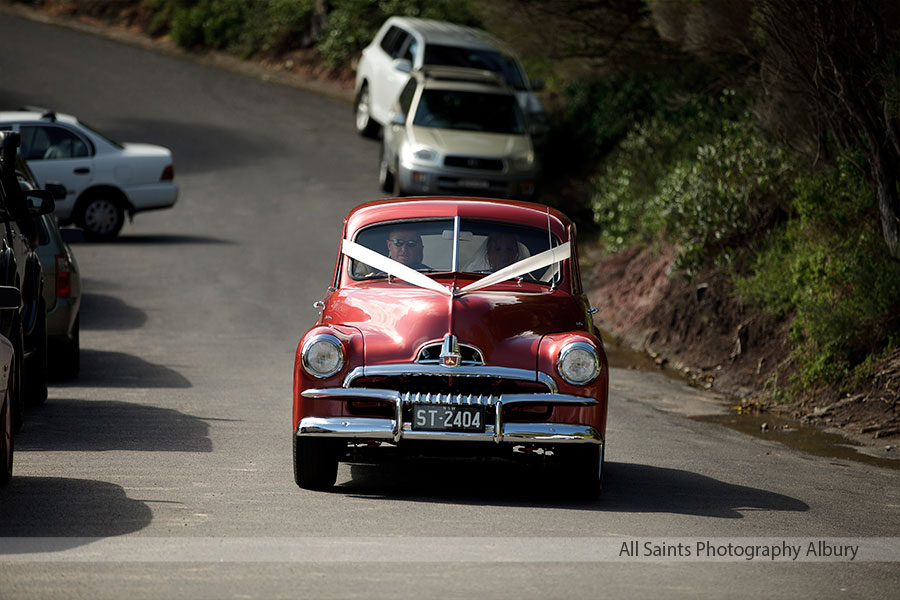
492, 209
450, 34
35, 114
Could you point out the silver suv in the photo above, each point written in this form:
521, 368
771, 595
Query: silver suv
457, 132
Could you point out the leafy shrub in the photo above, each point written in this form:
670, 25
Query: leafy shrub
245, 27
687, 170
712, 203
351, 24
828, 268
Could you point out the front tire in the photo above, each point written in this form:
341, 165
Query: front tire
385, 177
6, 439
36, 364
365, 124
583, 467
16, 385
316, 462
66, 361
101, 217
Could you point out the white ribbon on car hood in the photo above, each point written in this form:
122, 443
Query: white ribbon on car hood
517, 269
392, 267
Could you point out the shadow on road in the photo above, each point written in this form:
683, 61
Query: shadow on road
161, 239
627, 488
198, 147
98, 425
102, 369
100, 312
58, 507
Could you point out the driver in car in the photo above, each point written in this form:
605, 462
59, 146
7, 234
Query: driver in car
405, 246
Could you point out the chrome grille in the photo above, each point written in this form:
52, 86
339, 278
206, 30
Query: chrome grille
449, 399
473, 162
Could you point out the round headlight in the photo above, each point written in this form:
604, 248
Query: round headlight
578, 363
322, 356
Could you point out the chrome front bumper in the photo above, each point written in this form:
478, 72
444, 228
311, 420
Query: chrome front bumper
396, 429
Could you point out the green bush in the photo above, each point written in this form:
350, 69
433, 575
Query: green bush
351, 24
245, 27
695, 170
712, 204
829, 271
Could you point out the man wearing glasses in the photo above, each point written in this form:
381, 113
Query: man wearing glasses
405, 246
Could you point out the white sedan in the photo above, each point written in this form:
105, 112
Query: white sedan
105, 179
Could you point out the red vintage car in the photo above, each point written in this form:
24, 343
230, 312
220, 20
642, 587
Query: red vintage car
453, 324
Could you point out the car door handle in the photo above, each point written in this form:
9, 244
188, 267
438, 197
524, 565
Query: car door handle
81, 171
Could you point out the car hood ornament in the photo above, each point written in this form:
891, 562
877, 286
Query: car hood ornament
450, 355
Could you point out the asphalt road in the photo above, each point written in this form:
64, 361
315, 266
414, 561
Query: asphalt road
165, 470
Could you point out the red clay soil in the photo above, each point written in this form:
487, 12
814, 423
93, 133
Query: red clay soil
700, 328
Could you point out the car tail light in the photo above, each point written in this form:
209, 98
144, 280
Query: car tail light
63, 277
168, 173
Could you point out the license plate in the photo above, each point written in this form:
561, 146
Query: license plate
427, 417
478, 184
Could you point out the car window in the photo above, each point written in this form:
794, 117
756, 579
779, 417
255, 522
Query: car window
102, 135
50, 142
484, 247
491, 60
470, 111
393, 41
411, 50
406, 97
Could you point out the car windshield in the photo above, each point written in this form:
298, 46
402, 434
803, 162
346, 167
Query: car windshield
454, 56
470, 111
484, 247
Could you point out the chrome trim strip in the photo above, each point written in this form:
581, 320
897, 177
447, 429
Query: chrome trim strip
385, 429
554, 433
397, 370
455, 262
364, 393
565, 399
548, 381
349, 427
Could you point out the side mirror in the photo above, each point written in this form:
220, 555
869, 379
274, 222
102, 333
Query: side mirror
403, 65
398, 119
537, 85
10, 298
40, 202
58, 190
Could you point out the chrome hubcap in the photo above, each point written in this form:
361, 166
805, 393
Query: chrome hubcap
362, 110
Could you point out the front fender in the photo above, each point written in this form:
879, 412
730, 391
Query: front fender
353, 346
549, 350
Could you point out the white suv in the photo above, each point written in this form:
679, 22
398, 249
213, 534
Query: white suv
460, 132
104, 178
404, 44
